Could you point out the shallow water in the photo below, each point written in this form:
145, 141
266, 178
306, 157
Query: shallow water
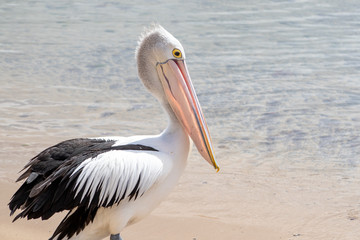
279, 81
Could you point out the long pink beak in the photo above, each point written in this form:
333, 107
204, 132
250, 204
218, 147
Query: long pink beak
181, 95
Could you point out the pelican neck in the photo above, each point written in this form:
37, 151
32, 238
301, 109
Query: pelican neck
174, 125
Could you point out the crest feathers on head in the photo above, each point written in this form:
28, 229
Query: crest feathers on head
154, 27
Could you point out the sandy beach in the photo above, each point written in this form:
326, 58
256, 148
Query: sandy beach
254, 204
154, 227
183, 224
157, 226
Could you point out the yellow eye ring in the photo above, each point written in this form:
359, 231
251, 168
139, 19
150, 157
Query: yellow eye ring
177, 53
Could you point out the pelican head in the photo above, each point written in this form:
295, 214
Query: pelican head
162, 69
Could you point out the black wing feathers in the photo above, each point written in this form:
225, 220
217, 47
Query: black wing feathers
51, 183
82, 216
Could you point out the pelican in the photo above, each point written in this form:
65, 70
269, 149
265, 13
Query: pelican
109, 183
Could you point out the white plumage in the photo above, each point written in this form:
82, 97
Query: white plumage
113, 171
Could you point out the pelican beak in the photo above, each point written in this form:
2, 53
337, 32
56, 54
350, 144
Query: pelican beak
181, 95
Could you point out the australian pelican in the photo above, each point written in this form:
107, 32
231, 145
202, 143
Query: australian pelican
109, 183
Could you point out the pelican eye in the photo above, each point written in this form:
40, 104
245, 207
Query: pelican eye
177, 53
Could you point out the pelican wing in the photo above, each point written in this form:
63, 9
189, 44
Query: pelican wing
82, 175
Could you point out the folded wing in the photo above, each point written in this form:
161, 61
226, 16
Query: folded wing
83, 175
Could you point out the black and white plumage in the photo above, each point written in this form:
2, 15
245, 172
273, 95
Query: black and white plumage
109, 183
58, 179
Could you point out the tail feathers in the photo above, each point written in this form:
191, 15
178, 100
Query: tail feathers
41, 207
74, 222
21, 196
32, 207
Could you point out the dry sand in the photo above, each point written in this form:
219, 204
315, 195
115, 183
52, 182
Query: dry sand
256, 203
157, 226
154, 227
